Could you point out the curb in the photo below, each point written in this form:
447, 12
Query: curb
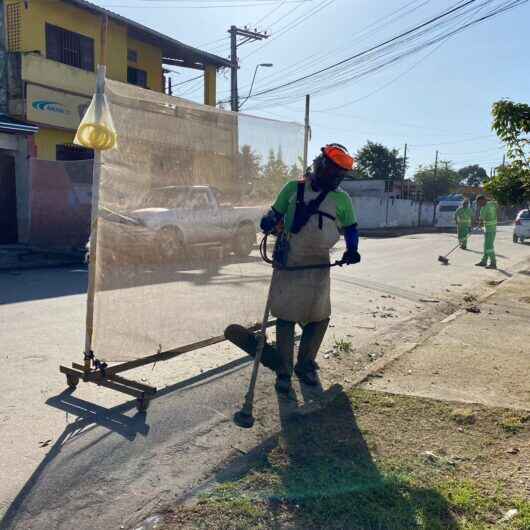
375, 369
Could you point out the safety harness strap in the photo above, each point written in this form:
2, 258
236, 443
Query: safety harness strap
303, 211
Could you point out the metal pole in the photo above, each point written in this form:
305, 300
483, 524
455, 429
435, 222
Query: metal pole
234, 99
435, 180
244, 417
96, 174
100, 91
405, 162
306, 130
435, 188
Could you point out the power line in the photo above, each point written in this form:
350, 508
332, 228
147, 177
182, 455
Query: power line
339, 73
278, 6
383, 21
166, 6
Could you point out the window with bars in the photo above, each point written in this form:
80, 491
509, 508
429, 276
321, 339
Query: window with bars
132, 56
137, 77
14, 21
73, 152
70, 48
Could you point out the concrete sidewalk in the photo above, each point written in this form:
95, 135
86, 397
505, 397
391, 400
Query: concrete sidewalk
480, 355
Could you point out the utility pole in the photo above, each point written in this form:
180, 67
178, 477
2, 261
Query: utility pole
503, 160
249, 36
306, 131
404, 195
435, 188
435, 180
404, 162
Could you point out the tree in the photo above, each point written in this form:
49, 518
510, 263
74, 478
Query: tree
248, 169
507, 186
433, 183
511, 123
473, 175
273, 175
376, 161
249, 163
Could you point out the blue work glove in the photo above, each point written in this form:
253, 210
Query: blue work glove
269, 221
351, 235
351, 257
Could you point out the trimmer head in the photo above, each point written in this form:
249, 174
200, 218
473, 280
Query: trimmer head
243, 419
443, 259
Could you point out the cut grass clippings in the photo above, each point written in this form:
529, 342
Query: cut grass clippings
368, 461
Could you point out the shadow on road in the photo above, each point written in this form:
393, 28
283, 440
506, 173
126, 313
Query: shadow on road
55, 283
72, 460
232, 270
42, 283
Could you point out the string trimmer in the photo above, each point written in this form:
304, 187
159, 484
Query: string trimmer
256, 346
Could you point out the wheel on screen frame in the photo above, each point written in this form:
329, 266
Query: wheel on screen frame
72, 381
142, 404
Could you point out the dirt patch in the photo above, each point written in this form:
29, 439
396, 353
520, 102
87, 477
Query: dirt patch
372, 460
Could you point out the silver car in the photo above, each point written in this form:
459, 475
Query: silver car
521, 228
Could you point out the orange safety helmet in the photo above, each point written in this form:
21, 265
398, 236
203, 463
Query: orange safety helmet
338, 154
331, 167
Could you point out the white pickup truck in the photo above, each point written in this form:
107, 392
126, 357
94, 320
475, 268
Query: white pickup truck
173, 220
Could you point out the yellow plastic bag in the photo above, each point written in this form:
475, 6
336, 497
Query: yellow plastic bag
96, 130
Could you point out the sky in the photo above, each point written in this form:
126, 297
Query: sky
439, 99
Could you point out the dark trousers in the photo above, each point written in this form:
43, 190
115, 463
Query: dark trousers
312, 336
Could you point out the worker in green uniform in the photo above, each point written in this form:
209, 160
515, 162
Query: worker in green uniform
314, 212
488, 219
463, 217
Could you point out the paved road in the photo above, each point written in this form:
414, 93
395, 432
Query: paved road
87, 460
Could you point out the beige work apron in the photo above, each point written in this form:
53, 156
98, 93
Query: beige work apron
304, 295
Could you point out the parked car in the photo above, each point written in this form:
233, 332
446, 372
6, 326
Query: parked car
445, 212
521, 228
173, 220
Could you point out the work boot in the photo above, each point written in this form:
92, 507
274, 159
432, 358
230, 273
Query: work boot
492, 265
283, 384
309, 378
481, 263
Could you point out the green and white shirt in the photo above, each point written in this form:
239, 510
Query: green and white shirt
340, 201
488, 215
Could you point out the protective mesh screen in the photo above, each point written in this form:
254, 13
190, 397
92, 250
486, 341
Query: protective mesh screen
179, 205
60, 198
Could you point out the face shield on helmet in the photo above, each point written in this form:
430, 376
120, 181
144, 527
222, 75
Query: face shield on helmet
331, 167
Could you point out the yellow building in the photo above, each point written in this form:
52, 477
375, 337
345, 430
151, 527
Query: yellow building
53, 48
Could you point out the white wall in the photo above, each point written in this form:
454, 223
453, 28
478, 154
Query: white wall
379, 213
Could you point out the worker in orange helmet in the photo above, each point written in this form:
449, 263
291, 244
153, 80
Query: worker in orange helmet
313, 212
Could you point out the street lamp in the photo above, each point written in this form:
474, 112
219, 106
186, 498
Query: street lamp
265, 65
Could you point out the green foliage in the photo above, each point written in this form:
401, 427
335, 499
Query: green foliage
343, 346
511, 123
260, 180
473, 175
376, 161
436, 183
507, 186
249, 164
